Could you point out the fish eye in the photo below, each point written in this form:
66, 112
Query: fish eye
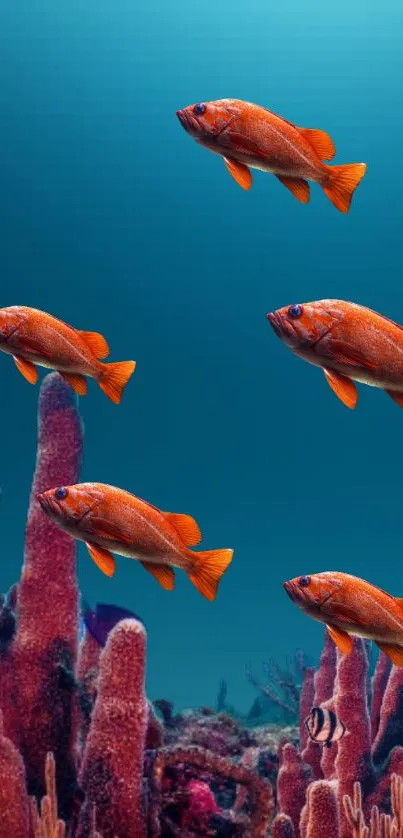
295, 311
304, 581
199, 109
61, 494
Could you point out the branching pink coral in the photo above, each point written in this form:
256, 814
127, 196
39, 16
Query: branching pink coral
47, 600
112, 769
14, 805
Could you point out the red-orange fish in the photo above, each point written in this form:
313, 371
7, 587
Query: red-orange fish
110, 520
350, 343
350, 606
248, 137
35, 338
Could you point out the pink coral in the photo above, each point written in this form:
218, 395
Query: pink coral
322, 817
47, 600
282, 827
112, 770
202, 803
390, 730
292, 784
378, 685
14, 809
306, 703
324, 688
353, 761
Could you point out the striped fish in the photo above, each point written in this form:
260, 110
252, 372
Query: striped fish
324, 727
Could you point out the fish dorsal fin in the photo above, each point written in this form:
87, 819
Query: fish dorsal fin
102, 558
395, 653
320, 141
27, 369
186, 527
77, 382
298, 187
342, 640
344, 388
162, 573
239, 172
96, 342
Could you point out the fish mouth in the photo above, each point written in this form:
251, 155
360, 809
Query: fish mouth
275, 323
289, 588
183, 119
301, 598
43, 501
283, 328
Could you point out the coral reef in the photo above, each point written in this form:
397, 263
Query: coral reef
84, 754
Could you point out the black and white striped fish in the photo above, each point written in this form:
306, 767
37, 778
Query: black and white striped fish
324, 727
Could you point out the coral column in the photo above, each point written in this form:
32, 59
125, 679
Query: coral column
353, 762
14, 812
112, 769
46, 638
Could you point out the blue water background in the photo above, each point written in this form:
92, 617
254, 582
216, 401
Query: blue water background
114, 220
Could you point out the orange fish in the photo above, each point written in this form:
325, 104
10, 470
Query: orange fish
350, 343
350, 606
34, 338
248, 137
110, 520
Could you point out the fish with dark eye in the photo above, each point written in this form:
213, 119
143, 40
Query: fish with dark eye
34, 338
351, 607
111, 520
324, 727
348, 341
249, 136
103, 618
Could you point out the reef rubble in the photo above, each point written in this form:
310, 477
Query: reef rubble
85, 754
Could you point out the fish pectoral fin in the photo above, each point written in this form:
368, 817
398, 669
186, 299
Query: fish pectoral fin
186, 527
163, 573
344, 388
239, 172
298, 187
102, 558
395, 653
397, 397
77, 382
320, 141
27, 369
344, 353
342, 640
96, 343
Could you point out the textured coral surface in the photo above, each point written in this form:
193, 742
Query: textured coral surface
85, 754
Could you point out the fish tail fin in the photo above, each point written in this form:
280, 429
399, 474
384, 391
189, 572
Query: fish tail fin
115, 377
211, 564
343, 183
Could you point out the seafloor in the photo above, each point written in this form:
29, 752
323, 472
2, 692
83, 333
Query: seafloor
85, 754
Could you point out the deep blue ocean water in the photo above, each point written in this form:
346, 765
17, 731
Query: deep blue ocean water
114, 220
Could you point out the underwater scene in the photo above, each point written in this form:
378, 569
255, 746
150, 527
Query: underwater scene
201, 357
